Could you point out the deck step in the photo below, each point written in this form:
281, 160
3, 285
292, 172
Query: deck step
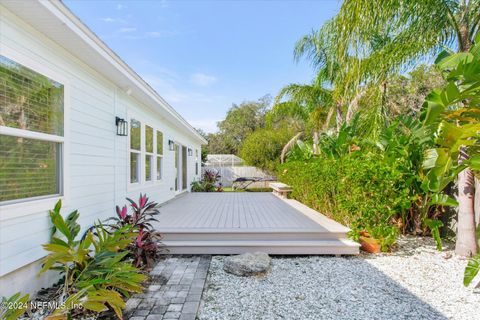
294, 247
253, 235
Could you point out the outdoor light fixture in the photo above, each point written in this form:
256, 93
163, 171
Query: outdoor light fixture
171, 145
122, 126
190, 152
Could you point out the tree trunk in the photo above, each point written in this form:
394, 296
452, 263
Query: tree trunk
315, 142
466, 244
338, 116
353, 105
329, 118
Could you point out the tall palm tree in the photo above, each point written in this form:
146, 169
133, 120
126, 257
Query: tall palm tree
316, 105
419, 29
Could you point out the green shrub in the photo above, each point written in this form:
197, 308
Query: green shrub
263, 147
360, 190
96, 275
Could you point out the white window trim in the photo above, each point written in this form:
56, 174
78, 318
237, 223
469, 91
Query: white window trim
157, 155
39, 205
139, 152
142, 182
151, 154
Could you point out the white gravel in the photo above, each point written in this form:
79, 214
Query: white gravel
415, 282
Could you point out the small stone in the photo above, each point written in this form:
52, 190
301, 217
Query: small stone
247, 264
447, 255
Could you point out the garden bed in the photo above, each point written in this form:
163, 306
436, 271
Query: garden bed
415, 281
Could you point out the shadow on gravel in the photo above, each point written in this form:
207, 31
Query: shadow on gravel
313, 288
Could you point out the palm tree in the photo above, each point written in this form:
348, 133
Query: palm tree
419, 29
314, 103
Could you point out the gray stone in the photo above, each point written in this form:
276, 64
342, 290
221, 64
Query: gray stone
247, 264
190, 307
171, 315
188, 316
159, 310
175, 308
155, 317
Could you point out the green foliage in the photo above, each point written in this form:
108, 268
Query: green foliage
262, 148
96, 275
453, 112
240, 121
361, 190
472, 270
210, 182
13, 307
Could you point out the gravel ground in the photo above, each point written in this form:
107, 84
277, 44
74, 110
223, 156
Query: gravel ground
415, 282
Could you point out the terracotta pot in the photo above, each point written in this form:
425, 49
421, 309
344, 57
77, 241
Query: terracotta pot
370, 245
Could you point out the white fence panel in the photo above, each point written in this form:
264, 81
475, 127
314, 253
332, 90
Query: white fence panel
229, 174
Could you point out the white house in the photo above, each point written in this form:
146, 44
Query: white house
65, 100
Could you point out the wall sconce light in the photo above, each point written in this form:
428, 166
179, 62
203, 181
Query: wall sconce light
190, 152
122, 126
171, 145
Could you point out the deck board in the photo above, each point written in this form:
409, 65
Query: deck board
233, 211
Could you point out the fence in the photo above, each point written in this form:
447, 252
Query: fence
230, 173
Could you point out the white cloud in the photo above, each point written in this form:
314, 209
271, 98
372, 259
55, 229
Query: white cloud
203, 80
127, 29
107, 19
120, 6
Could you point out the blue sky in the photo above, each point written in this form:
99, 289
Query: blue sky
202, 56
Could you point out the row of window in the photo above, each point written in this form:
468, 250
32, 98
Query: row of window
32, 137
151, 152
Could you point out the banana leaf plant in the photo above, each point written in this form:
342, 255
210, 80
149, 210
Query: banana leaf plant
453, 114
97, 277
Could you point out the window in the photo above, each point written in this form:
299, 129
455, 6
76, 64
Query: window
148, 152
159, 154
196, 161
135, 151
31, 133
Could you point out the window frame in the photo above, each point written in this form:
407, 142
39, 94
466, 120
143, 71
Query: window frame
158, 155
149, 154
137, 152
142, 182
16, 208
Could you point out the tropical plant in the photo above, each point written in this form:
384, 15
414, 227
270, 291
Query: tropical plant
210, 182
96, 275
360, 189
454, 113
417, 29
11, 308
472, 270
146, 246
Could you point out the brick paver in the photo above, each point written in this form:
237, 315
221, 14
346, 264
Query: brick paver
174, 292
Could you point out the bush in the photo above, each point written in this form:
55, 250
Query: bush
359, 190
263, 147
210, 182
96, 274
145, 247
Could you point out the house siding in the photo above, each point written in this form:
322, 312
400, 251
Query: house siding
96, 164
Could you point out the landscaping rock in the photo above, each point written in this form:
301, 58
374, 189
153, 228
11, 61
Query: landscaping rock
247, 264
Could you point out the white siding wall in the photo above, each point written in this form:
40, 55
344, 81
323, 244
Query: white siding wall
96, 160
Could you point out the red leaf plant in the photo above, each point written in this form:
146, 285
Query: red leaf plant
146, 246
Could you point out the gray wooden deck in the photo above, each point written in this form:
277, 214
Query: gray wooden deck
231, 222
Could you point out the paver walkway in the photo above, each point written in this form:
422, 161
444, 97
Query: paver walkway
175, 291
